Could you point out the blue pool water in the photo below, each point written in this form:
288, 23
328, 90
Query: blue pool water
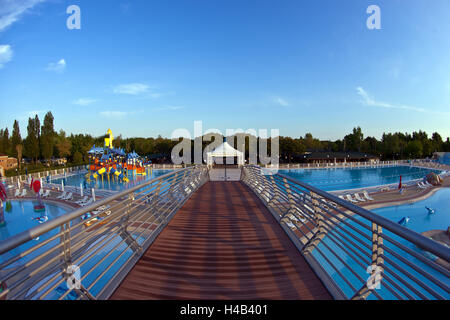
111, 183
346, 178
420, 221
23, 217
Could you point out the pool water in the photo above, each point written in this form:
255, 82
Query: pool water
352, 178
111, 183
22, 217
420, 221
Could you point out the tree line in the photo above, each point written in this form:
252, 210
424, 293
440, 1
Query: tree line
43, 143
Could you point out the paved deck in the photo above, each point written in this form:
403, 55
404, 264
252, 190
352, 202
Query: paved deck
222, 244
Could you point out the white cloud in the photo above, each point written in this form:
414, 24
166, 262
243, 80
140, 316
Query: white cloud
131, 88
12, 10
170, 108
57, 66
114, 114
6, 54
84, 101
280, 101
369, 101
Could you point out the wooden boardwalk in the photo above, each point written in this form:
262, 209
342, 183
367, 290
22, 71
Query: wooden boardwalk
222, 244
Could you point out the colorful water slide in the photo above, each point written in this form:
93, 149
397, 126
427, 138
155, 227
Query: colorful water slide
96, 174
119, 174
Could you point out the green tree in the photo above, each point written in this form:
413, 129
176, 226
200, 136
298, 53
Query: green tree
414, 149
47, 140
62, 145
77, 158
6, 148
16, 138
32, 141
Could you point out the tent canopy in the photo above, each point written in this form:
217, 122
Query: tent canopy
223, 151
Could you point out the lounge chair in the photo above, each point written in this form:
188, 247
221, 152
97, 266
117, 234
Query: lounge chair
46, 194
421, 185
357, 197
24, 193
85, 199
68, 197
90, 201
428, 184
349, 198
366, 196
62, 196
341, 197
17, 193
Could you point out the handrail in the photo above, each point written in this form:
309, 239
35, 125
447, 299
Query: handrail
414, 237
103, 246
39, 230
340, 240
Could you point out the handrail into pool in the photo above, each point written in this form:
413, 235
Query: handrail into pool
348, 247
104, 246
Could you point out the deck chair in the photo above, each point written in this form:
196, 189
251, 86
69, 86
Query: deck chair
68, 197
17, 193
62, 196
366, 196
83, 200
358, 197
90, 201
24, 193
46, 194
349, 198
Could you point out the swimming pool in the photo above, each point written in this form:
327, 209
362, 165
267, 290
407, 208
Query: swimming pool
420, 221
111, 183
353, 178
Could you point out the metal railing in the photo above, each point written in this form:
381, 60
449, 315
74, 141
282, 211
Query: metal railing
42, 174
356, 253
85, 257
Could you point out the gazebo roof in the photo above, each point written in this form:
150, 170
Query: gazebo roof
225, 150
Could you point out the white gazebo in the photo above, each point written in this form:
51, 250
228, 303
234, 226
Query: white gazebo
224, 151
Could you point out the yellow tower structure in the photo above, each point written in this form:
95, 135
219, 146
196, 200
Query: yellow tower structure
109, 141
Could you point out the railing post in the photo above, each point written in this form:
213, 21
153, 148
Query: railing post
376, 269
123, 230
320, 230
67, 261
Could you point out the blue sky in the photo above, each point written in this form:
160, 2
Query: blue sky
144, 68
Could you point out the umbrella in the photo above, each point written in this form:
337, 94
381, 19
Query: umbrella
62, 186
81, 189
93, 194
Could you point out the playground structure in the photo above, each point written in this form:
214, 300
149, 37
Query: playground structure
113, 162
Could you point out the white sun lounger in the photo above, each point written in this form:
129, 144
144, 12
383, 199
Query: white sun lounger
68, 197
46, 194
24, 193
62, 196
87, 202
366, 196
17, 193
358, 197
349, 198
85, 199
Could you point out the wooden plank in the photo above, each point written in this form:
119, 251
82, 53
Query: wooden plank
222, 244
